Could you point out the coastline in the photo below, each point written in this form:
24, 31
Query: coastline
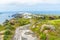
7, 15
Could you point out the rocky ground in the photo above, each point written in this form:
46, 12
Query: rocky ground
23, 33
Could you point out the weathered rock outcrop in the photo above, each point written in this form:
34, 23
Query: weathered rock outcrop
23, 33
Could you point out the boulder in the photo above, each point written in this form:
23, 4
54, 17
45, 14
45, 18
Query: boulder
47, 27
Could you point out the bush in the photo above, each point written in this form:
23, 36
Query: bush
5, 37
7, 32
43, 36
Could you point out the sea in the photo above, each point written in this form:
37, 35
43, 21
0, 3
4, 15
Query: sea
8, 15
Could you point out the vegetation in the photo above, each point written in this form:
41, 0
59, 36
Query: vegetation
2, 27
9, 26
47, 33
45, 27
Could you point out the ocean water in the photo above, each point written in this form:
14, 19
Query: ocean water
7, 15
46, 12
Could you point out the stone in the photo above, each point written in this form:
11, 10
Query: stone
49, 27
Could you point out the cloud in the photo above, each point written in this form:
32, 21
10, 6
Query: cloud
20, 1
30, 1
10, 5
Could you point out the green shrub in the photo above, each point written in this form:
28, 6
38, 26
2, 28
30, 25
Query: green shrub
43, 36
7, 32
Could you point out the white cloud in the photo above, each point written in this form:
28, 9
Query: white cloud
52, 1
29, 1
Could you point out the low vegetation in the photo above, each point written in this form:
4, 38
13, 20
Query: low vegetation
45, 27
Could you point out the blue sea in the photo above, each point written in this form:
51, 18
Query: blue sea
5, 15
8, 15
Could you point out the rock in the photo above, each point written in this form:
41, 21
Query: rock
1, 37
46, 31
23, 33
24, 38
33, 26
48, 27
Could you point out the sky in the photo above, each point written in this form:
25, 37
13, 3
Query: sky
29, 5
